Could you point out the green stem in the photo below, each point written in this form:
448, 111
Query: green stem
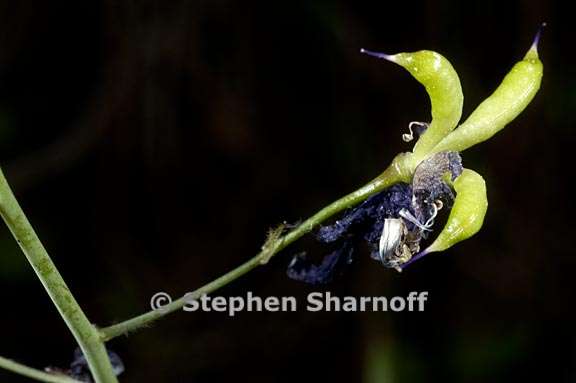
33, 373
396, 172
84, 332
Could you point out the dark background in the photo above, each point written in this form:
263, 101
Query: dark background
153, 143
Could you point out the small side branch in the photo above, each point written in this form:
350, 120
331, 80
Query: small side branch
33, 373
273, 245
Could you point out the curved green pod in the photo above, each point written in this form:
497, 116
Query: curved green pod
442, 84
467, 214
506, 103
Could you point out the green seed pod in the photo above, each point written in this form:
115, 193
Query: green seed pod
442, 84
508, 101
467, 214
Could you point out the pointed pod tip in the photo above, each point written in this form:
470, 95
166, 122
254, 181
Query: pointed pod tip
378, 55
536, 41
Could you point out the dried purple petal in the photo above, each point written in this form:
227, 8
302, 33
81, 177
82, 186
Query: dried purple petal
79, 367
414, 206
368, 217
301, 269
362, 222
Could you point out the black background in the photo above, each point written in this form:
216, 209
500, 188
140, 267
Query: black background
153, 143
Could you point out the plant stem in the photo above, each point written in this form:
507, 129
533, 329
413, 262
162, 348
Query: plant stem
33, 373
396, 172
84, 332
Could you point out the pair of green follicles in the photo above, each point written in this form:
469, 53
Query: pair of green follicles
443, 87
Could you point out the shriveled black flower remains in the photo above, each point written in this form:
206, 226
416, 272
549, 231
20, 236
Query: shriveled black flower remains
392, 222
396, 220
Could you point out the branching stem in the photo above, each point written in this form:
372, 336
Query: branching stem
84, 332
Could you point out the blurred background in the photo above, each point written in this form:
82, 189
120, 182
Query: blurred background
153, 143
